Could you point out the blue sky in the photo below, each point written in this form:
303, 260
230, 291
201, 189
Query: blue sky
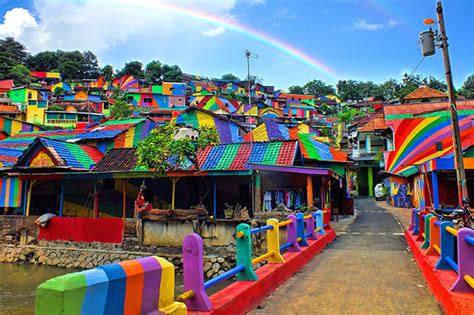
356, 39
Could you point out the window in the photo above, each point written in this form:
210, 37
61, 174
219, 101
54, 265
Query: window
147, 100
129, 99
30, 95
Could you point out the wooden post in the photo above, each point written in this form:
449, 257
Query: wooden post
28, 201
61, 199
96, 211
25, 196
124, 199
174, 180
434, 181
214, 198
309, 190
258, 192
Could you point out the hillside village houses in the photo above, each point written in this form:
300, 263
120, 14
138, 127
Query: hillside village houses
61, 151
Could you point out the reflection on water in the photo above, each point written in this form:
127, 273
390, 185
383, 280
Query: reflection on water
18, 284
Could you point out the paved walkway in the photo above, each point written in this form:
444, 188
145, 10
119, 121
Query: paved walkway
367, 270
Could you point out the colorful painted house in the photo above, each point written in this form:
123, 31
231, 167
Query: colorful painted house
32, 100
10, 126
229, 130
166, 96
422, 150
216, 104
234, 87
46, 78
120, 133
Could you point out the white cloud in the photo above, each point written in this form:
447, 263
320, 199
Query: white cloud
102, 25
284, 13
215, 31
16, 21
254, 2
363, 24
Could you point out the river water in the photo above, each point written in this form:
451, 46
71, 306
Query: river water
18, 283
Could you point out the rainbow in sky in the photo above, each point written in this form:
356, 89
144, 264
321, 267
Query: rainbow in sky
232, 25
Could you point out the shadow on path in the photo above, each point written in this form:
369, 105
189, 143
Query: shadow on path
366, 270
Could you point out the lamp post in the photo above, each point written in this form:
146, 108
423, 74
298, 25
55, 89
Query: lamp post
427, 39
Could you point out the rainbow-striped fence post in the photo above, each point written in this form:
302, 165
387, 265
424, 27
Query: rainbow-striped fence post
320, 222
416, 221
193, 273
300, 232
426, 243
273, 242
434, 247
310, 227
140, 286
447, 246
244, 252
465, 261
291, 235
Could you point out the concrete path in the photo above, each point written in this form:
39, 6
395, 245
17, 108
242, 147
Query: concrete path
367, 270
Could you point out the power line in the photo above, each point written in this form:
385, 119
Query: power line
418, 65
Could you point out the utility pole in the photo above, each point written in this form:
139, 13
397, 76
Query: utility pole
427, 39
248, 55
459, 162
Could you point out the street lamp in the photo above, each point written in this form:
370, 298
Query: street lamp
428, 40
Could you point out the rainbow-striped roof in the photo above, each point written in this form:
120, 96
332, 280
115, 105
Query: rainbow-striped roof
269, 130
316, 150
239, 156
65, 154
22, 140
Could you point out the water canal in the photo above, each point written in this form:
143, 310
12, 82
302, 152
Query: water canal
18, 284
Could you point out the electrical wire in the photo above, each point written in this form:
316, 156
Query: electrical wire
416, 68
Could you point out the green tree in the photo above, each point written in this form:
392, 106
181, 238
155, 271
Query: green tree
389, 89
153, 72
347, 114
43, 61
162, 152
58, 91
133, 68
172, 73
70, 70
120, 110
467, 89
409, 84
107, 72
348, 90
11, 53
90, 65
436, 84
55, 108
230, 77
296, 89
20, 74
318, 88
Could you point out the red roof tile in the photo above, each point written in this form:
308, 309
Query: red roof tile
425, 92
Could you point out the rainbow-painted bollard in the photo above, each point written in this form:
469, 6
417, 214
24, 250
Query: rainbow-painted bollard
310, 227
416, 221
465, 261
447, 241
320, 222
193, 273
300, 231
291, 235
244, 252
139, 286
426, 220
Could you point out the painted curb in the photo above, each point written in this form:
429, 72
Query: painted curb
242, 296
440, 281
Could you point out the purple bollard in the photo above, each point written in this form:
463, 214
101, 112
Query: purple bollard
465, 261
413, 219
193, 274
291, 235
311, 226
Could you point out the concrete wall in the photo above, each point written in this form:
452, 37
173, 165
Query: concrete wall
172, 233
